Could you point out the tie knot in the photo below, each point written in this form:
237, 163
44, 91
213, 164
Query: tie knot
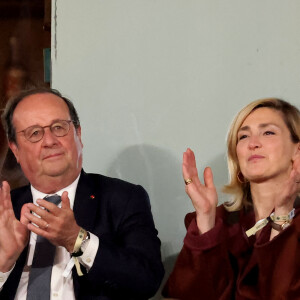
55, 199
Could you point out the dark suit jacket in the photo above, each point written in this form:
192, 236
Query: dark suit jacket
128, 263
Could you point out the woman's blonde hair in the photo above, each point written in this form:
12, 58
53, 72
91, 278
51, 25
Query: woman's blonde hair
238, 185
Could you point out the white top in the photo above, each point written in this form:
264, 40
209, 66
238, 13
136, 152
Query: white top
61, 279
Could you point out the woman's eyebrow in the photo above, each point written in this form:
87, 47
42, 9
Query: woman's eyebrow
262, 125
244, 128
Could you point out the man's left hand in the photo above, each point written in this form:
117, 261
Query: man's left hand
56, 224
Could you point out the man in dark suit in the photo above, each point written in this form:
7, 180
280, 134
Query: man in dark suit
106, 243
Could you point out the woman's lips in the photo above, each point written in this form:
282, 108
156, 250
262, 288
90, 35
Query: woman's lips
255, 157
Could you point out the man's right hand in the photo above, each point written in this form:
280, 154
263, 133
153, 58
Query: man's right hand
13, 234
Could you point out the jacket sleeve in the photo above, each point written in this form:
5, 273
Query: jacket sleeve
128, 262
203, 269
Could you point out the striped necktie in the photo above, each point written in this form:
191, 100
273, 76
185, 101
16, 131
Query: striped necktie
41, 268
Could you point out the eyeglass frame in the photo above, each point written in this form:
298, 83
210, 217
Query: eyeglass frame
50, 127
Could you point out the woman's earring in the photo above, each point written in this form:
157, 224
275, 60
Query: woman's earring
241, 178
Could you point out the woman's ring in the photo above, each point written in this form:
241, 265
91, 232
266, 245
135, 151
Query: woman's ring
188, 181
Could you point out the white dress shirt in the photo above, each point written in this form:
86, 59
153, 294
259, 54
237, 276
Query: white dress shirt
61, 278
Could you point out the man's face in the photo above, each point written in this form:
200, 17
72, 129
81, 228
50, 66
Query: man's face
52, 158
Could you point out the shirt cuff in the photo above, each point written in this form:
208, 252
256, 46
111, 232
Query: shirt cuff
4, 277
89, 254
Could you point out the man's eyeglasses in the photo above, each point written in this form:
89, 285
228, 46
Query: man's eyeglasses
35, 133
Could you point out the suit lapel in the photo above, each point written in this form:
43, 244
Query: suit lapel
19, 198
85, 210
86, 202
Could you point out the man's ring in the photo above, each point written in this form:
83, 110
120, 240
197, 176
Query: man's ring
47, 226
188, 181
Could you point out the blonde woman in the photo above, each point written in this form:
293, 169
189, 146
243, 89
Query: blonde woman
248, 248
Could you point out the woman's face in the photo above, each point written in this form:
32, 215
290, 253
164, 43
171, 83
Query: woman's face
264, 148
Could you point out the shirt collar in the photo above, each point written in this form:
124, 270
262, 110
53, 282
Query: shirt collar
71, 189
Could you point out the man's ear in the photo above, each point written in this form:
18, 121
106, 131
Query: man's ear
78, 132
14, 148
